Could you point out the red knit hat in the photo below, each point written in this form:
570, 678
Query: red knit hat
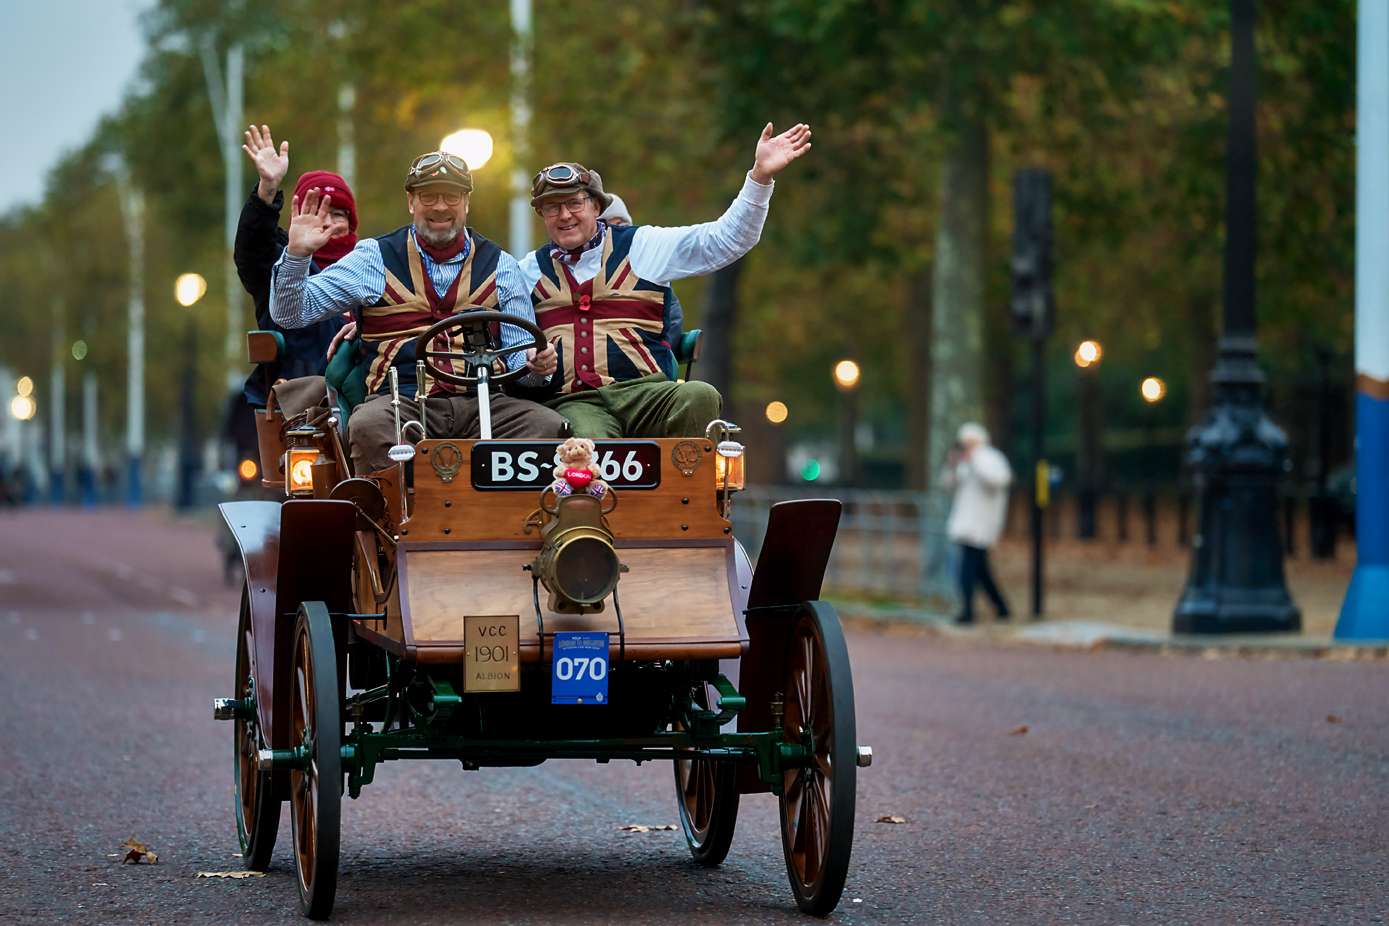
339, 193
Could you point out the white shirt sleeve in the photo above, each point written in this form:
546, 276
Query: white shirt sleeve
297, 300
664, 254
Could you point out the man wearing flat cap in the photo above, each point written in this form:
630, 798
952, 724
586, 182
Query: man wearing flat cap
600, 290
396, 286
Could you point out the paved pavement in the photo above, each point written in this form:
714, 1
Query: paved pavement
1039, 785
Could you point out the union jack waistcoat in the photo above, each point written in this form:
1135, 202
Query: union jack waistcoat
607, 330
409, 305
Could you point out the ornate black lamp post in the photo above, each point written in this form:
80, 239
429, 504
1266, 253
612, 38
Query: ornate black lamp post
1238, 455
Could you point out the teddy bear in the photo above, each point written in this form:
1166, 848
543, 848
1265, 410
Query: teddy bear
576, 469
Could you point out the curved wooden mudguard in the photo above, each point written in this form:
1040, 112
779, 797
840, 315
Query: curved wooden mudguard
790, 571
295, 551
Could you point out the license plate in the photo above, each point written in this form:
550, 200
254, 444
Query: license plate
492, 657
579, 673
512, 465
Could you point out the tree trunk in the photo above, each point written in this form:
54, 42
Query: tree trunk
916, 331
715, 364
957, 291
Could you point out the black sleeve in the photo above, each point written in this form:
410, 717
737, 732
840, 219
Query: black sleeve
259, 240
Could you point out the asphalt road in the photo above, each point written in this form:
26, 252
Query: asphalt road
1146, 788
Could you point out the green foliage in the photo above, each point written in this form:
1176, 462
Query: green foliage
1122, 99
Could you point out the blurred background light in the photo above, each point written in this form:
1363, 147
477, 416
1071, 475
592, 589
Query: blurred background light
474, 146
846, 374
1088, 353
189, 288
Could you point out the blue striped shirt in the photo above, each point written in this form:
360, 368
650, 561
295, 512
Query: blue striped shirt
298, 300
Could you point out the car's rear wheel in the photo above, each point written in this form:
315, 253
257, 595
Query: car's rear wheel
706, 792
817, 800
316, 784
257, 808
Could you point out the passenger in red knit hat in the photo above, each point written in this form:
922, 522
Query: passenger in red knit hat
259, 242
343, 212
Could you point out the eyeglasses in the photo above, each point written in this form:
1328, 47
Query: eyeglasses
433, 159
575, 206
433, 197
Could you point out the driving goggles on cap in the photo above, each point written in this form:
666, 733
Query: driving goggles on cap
439, 167
560, 175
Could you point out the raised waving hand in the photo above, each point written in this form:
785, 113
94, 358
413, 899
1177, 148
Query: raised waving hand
774, 152
271, 164
310, 225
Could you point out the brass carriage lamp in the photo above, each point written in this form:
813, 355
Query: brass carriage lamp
301, 454
728, 466
728, 455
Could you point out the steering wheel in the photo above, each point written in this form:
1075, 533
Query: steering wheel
472, 325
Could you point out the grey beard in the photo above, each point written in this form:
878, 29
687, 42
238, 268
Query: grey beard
438, 239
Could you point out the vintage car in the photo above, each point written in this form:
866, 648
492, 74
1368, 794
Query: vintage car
458, 606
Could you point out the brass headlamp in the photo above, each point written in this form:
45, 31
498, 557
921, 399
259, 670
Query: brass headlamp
577, 563
728, 461
301, 453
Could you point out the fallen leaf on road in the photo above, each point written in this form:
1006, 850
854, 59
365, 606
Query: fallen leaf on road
230, 874
892, 818
1018, 731
1333, 718
137, 852
642, 828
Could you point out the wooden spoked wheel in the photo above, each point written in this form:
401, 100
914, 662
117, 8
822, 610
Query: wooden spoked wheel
817, 801
315, 788
707, 794
257, 808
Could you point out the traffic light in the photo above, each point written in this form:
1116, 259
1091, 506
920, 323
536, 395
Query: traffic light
1032, 305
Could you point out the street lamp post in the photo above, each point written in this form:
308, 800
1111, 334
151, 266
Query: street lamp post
1364, 614
57, 421
520, 239
133, 214
226, 98
1237, 454
846, 380
188, 289
1090, 455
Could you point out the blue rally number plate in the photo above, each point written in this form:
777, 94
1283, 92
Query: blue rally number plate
579, 674
503, 466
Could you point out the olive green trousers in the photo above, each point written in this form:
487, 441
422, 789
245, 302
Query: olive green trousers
652, 406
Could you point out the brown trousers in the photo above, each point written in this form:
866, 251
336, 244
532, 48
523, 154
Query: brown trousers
371, 429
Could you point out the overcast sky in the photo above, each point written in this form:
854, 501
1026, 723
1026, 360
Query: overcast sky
68, 62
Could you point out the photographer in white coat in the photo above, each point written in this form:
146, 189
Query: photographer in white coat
980, 476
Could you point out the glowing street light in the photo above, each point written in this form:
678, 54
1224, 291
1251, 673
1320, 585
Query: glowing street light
1152, 389
474, 146
25, 386
22, 407
189, 288
846, 375
777, 412
1088, 353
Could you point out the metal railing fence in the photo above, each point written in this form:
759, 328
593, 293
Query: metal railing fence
891, 545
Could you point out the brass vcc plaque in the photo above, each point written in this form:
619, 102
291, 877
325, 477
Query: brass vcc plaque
492, 658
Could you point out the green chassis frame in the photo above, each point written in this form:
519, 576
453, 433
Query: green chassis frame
363, 749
